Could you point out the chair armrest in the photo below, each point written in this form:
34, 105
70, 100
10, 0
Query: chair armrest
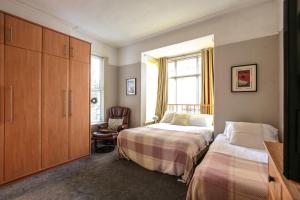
103, 125
122, 127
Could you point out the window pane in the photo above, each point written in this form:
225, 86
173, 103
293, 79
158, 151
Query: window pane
95, 72
172, 91
96, 107
187, 67
97, 90
171, 69
187, 90
199, 64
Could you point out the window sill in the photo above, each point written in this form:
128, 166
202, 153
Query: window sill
97, 123
146, 123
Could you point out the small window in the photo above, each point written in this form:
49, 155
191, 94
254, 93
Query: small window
97, 89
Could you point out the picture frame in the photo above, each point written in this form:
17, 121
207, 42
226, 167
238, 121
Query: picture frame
244, 78
130, 86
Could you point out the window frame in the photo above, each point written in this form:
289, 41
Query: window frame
198, 74
100, 90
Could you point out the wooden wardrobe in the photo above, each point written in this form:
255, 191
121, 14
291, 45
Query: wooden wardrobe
44, 98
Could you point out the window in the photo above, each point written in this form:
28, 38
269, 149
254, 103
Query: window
97, 89
151, 88
184, 84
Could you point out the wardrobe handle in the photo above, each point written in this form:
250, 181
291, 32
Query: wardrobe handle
65, 103
11, 104
65, 50
71, 52
10, 34
70, 102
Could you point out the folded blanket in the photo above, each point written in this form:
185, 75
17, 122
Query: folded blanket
220, 176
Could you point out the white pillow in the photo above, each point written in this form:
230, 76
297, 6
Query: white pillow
167, 118
113, 124
227, 130
269, 132
247, 135
201, 120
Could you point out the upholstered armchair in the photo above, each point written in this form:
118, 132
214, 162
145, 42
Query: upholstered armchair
116, 112
105, 133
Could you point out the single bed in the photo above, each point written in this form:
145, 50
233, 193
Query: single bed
230, 172
166, 148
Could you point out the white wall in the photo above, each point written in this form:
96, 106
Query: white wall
254, 22
39, 17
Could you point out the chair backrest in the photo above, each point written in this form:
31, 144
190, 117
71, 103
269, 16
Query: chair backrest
118, 112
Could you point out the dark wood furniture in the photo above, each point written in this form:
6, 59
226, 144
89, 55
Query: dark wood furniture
108, 139
116, 112
107, 135
291, 90
279, 186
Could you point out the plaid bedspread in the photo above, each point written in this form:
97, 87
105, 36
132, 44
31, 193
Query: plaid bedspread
170, 152
221, 176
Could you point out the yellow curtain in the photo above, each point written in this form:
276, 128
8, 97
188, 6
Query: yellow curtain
207, 96
162, 88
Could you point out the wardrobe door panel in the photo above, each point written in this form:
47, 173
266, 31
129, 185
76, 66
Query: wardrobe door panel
80, 50
23, 34
1, 112
79, 142
55, 110
1, 28
22, 112
55, 43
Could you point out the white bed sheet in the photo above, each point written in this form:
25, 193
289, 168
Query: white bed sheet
207, 132
221, 145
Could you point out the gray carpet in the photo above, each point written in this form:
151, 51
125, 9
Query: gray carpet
102, 176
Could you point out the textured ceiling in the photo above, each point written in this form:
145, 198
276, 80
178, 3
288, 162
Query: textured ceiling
122, 22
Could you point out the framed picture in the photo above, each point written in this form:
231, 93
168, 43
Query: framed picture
243, 78
131, 86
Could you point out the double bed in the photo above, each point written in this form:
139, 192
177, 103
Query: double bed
230, 172
166, 148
